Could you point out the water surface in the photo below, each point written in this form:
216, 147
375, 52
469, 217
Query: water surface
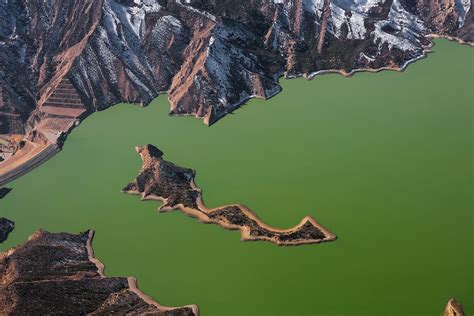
385, 161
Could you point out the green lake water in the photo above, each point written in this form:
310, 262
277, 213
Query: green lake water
385, 161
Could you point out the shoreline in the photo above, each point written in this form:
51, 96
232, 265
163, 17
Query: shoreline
33, 162
132, 281
202, 216
25, 167
73, 273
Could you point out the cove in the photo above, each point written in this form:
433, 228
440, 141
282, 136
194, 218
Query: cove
385, 161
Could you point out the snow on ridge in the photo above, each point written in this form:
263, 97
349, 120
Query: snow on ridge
313, 6
358, 6
355, 20
220, 58
134, 16
166, 27
119, 37
406, 26
193, 9
463, 7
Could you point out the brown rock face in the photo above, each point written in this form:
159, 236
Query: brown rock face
175, 187
56, 274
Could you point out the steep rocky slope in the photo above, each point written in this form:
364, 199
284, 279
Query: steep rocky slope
56, 274
210, 55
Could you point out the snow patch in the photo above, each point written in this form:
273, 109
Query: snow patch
352, 13
405, 29
463, 7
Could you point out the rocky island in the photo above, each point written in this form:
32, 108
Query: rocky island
6, 227
56, 273
4, 192
61, 61
174, 186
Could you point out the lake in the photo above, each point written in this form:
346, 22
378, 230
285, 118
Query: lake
385, 161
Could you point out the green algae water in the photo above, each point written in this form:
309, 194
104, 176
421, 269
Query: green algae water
385, 161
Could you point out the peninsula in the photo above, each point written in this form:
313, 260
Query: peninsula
57, 272
174, 186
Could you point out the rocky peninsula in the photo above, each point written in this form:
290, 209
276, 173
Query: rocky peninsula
174, 186
57, 274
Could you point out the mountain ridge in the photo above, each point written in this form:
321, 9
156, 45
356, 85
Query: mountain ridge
59, 61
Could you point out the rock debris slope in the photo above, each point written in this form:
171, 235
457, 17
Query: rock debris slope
209, 55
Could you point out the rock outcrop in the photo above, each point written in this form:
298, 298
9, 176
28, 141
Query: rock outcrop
57, 274
453, 308
174, 186
6, 227
4, 192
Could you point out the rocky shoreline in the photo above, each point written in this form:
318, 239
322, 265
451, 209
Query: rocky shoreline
174, 186
57, 273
